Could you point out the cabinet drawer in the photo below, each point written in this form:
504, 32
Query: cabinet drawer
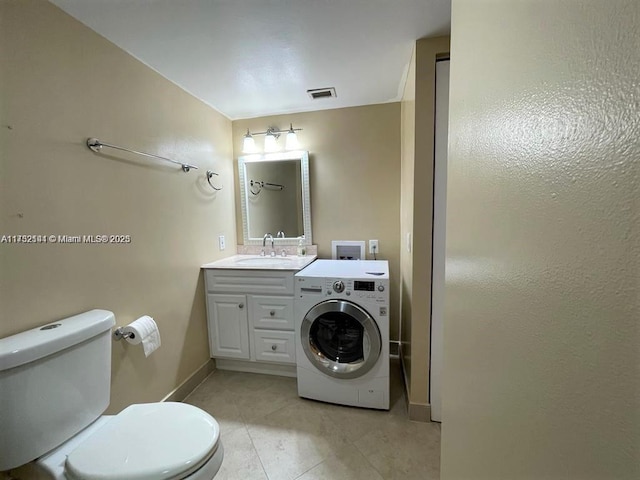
273, 346
249, 281
271, 312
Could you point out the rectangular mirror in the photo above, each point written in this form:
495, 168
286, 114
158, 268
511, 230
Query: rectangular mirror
274, 193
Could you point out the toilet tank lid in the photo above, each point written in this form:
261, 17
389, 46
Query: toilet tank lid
40, 342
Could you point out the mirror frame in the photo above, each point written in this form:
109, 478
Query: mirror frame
301, 155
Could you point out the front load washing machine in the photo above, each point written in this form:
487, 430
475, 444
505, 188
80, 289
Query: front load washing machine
342, 332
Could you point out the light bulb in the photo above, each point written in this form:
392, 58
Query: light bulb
249, 144
292, 141
270, 144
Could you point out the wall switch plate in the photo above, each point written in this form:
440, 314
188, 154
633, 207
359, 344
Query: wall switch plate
221, 244
373, 247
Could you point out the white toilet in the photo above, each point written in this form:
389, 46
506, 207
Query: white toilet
54, 387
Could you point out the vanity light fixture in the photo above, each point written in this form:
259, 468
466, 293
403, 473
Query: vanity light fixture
271, 140
292, 139
248, 143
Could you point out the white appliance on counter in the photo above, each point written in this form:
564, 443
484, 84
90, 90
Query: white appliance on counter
341, 311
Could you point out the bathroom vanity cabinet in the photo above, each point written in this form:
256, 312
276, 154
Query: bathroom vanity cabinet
250, 319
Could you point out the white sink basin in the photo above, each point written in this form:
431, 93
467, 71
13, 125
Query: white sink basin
264, 261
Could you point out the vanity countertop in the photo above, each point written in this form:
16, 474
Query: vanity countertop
258, 262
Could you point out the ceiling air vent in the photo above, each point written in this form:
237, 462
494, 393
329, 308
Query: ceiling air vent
322, 93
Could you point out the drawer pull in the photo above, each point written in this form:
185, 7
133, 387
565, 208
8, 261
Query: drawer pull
241, 305
274, 347
272, 313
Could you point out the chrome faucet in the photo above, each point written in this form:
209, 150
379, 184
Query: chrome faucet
280, 234
264, 239
264, 242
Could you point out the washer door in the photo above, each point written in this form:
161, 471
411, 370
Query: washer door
340, 339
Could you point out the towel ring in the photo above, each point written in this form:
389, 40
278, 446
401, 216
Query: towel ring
209, 175
258, 185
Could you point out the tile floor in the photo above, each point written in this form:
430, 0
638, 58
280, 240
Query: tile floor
269, 433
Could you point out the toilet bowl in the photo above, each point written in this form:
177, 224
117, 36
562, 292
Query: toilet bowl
54, 388
152, 441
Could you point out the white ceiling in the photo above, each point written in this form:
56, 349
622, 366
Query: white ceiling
251, 58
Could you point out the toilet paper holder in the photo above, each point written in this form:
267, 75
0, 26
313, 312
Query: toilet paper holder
119, 334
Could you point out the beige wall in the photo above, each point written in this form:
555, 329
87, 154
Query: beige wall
62, 83
354, 170
418, 112
541, 358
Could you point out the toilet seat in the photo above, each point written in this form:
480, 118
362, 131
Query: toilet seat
153, 441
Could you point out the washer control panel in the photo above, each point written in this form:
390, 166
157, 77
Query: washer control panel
357, 289
364, 286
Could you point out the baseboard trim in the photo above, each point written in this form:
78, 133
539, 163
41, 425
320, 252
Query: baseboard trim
419, 412
196, 378
254, 367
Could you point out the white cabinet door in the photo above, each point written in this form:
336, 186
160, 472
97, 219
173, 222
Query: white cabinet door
228, 326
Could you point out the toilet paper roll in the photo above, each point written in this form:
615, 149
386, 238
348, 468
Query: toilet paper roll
144, 330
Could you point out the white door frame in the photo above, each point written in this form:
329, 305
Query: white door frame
439, 236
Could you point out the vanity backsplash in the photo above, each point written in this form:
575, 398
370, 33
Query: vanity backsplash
290, 249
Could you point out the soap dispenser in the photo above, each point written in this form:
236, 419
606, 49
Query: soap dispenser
302, 250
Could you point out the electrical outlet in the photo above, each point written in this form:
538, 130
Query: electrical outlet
373, 247
221, 244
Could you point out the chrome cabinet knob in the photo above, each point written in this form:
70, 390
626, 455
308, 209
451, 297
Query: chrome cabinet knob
241, 305
274, 347
272, 313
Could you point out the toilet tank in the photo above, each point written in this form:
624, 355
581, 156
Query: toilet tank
54, 381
